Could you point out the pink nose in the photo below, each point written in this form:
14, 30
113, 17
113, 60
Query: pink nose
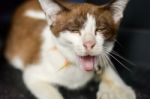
89, 44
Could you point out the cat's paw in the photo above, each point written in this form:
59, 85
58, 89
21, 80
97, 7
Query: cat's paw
115, 92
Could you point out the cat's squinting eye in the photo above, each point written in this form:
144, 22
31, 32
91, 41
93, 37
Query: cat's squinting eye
100, 30
74, 30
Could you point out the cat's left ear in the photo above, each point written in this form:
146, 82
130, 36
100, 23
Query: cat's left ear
117, 8
53, 7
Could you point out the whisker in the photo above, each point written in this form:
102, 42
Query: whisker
121, 57
126, 60
120, 63
118, 43
101, 61
109, 53
110, 62
104, 60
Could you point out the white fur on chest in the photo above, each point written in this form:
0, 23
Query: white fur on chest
51, 61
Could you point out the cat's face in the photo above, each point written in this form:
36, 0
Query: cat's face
88, 30
85, 29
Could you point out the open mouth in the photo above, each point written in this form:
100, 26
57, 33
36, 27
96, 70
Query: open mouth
87, 62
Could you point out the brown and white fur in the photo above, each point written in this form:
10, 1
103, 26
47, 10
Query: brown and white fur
69, 49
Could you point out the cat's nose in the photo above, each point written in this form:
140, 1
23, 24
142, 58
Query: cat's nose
89, 44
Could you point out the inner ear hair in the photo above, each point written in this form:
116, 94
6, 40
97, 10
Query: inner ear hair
117, 8
108, 4
53, 7
64, 4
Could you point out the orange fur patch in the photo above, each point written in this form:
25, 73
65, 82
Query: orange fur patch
65, 65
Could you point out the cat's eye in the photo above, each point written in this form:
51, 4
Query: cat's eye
73, 28
75, 31
101, 29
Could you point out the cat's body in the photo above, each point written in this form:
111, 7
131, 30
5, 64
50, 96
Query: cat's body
50, 57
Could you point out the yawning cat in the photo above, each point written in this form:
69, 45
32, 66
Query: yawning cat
59, 43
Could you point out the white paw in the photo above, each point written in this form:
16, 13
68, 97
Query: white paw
115, 92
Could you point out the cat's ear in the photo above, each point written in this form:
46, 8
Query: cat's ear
52, 7
117, 8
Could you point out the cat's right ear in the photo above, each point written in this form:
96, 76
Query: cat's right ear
52, 7
117, 8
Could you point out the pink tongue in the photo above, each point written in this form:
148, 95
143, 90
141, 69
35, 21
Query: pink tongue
87, 62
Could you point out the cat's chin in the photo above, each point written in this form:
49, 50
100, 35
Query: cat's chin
88, 62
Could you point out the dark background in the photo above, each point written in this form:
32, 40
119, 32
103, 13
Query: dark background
133, 43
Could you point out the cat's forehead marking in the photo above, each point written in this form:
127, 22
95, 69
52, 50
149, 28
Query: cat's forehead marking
90, 24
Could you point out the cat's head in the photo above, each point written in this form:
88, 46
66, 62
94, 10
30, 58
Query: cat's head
89, 30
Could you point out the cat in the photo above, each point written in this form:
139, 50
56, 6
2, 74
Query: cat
60, 43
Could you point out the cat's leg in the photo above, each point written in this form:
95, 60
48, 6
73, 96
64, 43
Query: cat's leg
39, 86
112, 87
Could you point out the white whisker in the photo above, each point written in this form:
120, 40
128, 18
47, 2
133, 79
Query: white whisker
104, 60
109, 53
110, 62
101, 61
117, 54
120, 62
118, 43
